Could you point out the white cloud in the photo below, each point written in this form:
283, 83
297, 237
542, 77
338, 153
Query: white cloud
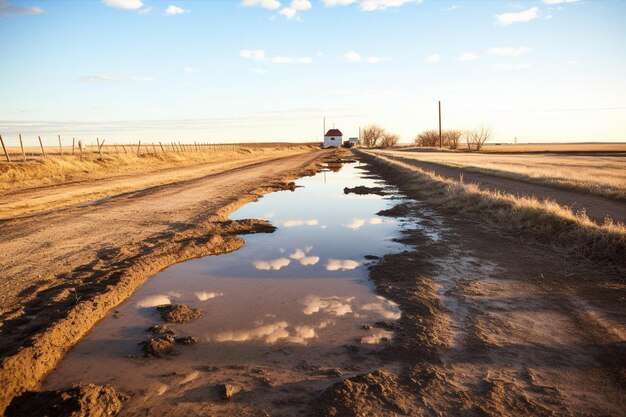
273, 264
559, 1
124, 4
259, 71
523, 16
468, 56
288, 12
7, 9
376, 59
333, 3
341, 264
432, 58
309, 260
257, 55
300, 255
511, 66
190, 70
174, 10
451, 8
508, 51
352, 56
146, 10
293, 60
270, 333
377, 337
371, 5
116, 79
300, 5
265, 4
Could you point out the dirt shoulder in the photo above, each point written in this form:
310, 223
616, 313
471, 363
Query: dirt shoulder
496, 323
597, 207
65, 269
100, 184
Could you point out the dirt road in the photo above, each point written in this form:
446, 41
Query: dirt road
597, 207
500, 325
63, 270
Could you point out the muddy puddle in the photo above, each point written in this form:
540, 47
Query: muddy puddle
282, 318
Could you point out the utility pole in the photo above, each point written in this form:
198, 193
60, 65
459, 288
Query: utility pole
324, 127
440, 124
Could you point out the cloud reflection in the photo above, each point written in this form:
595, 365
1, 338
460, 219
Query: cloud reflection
357, 223
273, 264
294, 223
341, 264
153, 301
337, 306
204, 295
385, 308
301, 256
272, 333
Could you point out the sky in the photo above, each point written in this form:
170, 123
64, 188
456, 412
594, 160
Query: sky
271, 70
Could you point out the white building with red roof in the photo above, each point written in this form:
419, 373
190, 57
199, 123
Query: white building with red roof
333, 139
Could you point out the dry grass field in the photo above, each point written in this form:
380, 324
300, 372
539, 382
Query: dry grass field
598, 174
554, 147
57, 169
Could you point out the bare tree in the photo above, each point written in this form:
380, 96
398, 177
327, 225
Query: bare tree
389, 140
451, 138
477, 137
372, 135
427, 138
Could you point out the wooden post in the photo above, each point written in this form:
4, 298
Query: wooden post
73, 144
100, 146
60, 146
181, 146
22, 146
138, 147
161, 145
154, 149
5, 150
124, 147
42, 149
115, 147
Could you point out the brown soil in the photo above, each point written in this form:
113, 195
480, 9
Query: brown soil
373, 394
180, 313
158, 347
65, 269
81, 400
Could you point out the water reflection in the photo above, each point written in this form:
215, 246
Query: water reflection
385, 308
204, 295
341, 264
336, 306
294, 223
356, 224
274, 264
376, 337
153, 301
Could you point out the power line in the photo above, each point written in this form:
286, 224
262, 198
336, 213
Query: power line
546, 110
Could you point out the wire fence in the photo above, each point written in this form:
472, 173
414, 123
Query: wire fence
22, 149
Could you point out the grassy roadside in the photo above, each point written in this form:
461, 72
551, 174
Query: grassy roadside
603, 243
603, 176
57, 170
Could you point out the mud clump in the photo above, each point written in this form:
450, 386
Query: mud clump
226, 391
159, 347
187, 340
80, 400
178, 313
363, 190
373, 394
160, 329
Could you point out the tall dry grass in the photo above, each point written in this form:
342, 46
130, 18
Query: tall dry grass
594, 174
63, 169
547, 220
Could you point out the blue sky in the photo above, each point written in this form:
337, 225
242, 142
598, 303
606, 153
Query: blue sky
256, 70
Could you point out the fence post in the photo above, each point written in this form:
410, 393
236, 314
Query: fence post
73, 144
115, 146
42, 149
138, 148
22, 146
5, 150
163, 150
60, 146
154, 149
100, 146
